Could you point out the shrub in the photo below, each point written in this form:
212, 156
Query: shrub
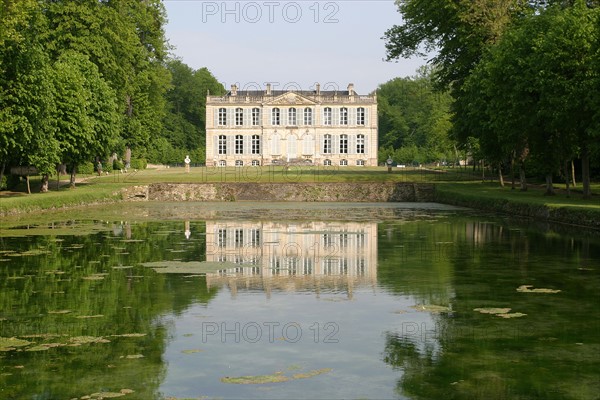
138, 163
86, 168
118, 165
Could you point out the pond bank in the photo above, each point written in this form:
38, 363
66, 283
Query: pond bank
304, 192
579, 216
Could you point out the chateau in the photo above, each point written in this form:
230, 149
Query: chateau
301, 127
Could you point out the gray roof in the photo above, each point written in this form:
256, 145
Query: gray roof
275, 93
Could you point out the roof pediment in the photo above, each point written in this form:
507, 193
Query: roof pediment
290, 98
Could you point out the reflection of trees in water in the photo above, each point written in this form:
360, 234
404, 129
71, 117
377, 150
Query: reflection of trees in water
96, 277
551, 353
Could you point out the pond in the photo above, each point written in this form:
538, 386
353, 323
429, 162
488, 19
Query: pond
273, 300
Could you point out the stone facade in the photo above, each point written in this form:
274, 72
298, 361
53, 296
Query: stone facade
301, 127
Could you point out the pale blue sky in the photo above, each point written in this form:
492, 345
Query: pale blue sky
283, 42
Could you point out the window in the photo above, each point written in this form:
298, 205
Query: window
255, 163
239, 117
222, 116
360, 163
292, 116
327, 162
222, 144
327, 116
344, 162
222, 238
343, 116
308, 116
239, 163
360, 116
360, 144
275, 116
239, 144
255, 238
255, 116
343, 144
327, 144
309, 144
239, 238
222, 163
255, 144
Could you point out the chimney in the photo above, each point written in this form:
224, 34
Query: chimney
268, 89
318, 88
351, 89
234, 90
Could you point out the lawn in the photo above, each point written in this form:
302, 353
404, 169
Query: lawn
459, 182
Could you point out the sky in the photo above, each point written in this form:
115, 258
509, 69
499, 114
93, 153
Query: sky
288, 43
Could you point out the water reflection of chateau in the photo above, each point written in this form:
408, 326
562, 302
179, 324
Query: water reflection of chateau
292, 256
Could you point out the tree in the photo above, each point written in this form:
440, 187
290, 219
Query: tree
412, 115
86, 111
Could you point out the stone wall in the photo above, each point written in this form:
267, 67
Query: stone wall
343, 192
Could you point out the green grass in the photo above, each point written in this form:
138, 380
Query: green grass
533, 196
455, 183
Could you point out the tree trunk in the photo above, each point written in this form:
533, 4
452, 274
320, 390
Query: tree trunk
500, 177
72, 180
45, 183
567, 185
28, 186
2, 170
573, 173
482, 170
61, 169
585, 173
549, 186
522, 178
512, 171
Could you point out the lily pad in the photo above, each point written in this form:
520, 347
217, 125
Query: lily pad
432, 308
130, 335
90, 316
256, 379
133, 356
512, 315
310, 374
59, 312
7, 344
492, 310
88, 339
190, 267
191, 351
526, 289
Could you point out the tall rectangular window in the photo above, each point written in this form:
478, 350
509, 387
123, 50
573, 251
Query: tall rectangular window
327, 116
239, 144
222, 116
344, 144
308, 116
255, 116
275, 116
327, 144
292, 116
255, 144
222, 238
360, 144
360, 116
343, 116
222, 144
239, 117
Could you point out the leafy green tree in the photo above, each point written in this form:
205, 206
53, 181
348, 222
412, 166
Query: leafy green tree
86, 111
413, 115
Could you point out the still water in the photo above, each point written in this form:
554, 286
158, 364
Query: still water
331, 301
